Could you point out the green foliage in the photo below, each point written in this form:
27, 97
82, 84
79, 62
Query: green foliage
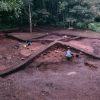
52, 24
71, 20
50, 12
62, 6
98, 30
9, 5
9, 9
83, 12
79, 25
97, 24
85, 25
59, 24
92, 26
43, 11
4, 6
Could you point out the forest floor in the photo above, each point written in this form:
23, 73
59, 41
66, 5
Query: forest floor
50, 76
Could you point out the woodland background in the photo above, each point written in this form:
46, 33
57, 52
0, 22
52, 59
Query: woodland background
56, 13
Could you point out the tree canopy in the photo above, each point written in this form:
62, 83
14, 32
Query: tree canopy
48, 12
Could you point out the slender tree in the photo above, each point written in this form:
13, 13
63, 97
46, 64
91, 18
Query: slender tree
62, 8
27, 5
30, 17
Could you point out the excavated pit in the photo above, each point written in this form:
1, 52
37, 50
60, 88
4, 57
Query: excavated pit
51, 76
55, 78
55, 55
13, 52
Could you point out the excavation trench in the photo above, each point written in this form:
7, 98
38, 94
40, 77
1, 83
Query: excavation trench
50, 74
48, 58
43, 51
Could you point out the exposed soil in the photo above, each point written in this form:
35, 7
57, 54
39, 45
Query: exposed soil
13, 52
50, 76
89, 44
82, 45
52, 37
9, 53
94, 43
32, 49
90, 65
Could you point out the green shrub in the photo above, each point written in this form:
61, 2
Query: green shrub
66, 24
98, 24
79, 25
85, 25
98, 30
59, 24
92, 26
52, 24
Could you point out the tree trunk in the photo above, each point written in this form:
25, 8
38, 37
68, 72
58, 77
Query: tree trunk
56, 15
63, 20
4, 28
69, 24
30, 19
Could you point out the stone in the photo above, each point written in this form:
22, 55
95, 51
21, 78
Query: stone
56, 51
2, 67
49, 52
22, 58
71, 73
81, 53
25, 52
8, 57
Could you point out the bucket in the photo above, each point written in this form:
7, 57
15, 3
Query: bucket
77, 55
24, 45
